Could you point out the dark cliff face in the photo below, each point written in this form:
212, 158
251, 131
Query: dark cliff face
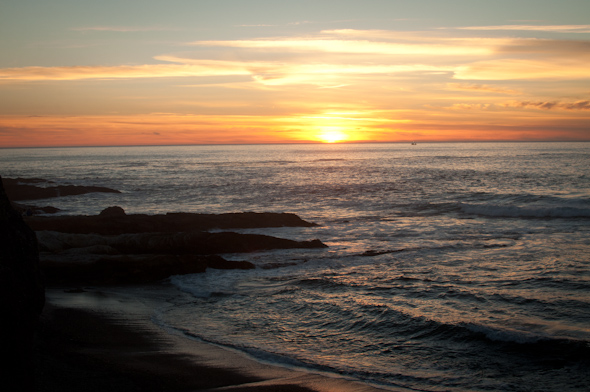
22, 295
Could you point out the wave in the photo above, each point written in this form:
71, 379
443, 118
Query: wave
502, 211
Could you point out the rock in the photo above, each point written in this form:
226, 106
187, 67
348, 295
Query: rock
169, 223
22, 296
113, 211
132, 269
195, 242
20, 189
78, 259
29, 210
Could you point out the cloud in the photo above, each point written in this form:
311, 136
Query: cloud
524, 69
547, 28
352, 46
462, 106
268, 73
551, 105
482, 88
204, 68
324, 58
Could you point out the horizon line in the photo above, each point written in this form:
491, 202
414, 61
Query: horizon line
301, 143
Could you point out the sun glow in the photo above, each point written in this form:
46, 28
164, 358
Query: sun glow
332, 135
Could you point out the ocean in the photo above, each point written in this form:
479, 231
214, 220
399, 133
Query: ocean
450, 266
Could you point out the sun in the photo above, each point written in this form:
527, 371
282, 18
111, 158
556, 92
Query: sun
332, 135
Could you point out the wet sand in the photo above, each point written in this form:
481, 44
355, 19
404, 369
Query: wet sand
105, 340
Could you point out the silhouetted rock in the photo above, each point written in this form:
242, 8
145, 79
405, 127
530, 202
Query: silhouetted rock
168, 223
20, 189
133, 269
29, 210
113, 211
22, 297
79, 259
115, 248
194, 242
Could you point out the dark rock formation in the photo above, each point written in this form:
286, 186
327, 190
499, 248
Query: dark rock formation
120, 223
21, 189
22, 297
133, 269
29, 210
115, 248
113, 211
194, 243
78, 259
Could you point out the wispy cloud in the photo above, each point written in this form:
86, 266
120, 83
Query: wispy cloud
205, 68
351, 46
550, 105
548, 28
269, 73
523, 69
486, 88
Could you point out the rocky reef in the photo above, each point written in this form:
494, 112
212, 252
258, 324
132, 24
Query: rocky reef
116, 248
79, 259
22, 297
113, 220
26, 189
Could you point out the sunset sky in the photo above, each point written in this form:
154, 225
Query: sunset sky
146, 72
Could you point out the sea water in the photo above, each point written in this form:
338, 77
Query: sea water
450, 267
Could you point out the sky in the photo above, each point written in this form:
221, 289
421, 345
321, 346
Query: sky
129, 72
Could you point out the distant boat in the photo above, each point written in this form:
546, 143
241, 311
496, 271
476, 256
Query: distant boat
413, 143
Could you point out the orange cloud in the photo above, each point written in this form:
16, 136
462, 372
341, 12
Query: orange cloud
311, 126
520, 69
482, 88
551, 105
204, 68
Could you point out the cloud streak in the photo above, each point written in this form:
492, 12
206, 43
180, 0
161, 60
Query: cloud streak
485, 88
548, 28
270, 73
552, 105
524, 69
204, 68
351, 46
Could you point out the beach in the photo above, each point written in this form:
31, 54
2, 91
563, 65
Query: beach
103, 339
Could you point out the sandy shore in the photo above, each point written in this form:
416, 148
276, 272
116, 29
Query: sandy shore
104, 340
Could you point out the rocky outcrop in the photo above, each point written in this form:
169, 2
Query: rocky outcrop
113, 220
130, 269
195, 243
24, 189
79, 259
22, 296
116, 248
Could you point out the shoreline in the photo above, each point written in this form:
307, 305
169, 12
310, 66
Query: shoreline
104, 339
